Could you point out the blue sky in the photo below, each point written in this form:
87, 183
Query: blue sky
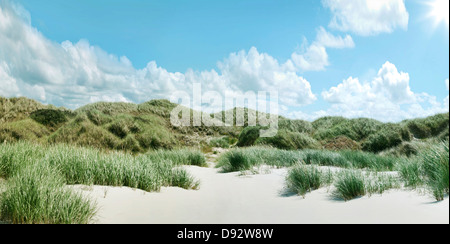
393, 67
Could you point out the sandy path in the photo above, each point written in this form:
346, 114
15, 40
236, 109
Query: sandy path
258, 199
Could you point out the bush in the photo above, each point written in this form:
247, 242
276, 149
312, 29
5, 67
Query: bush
390, 135
49, 117
248, 136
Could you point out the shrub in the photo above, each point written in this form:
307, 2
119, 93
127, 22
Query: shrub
390, 135
49, 117
248, 136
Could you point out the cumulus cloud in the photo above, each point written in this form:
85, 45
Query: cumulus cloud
73, 74
388, 97
315, 56
367, 17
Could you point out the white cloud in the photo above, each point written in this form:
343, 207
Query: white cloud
315, 56
327, 39
367, 17
388, 97
393, 85
7, 83
73, 74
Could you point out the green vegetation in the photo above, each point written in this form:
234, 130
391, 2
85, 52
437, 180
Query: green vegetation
139, 128
302, 179
222, 142
242, 159
289, 140
350, 184
255, 156
428, 127
389, 135
430, 169
23, 165
37, 195
436, 170
44, 148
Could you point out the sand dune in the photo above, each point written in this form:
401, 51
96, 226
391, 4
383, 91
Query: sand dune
258, 199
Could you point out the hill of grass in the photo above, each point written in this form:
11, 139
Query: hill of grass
139, 128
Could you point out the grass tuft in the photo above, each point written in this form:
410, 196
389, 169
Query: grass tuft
302, 179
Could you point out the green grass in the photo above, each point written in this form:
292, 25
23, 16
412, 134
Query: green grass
289, 140
36, 195
350, 185
428, 127
23, 165
429, 169
245, 158
242, 159
222, 142
355, 129
436, 170
388, 136
179, 157
302, 179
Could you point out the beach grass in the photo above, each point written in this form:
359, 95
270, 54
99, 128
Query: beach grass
36, 195
302, 179
24, 164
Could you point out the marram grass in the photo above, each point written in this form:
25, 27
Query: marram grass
302, 179
36, 176
37, 195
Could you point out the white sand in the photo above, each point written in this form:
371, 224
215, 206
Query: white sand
258, 199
